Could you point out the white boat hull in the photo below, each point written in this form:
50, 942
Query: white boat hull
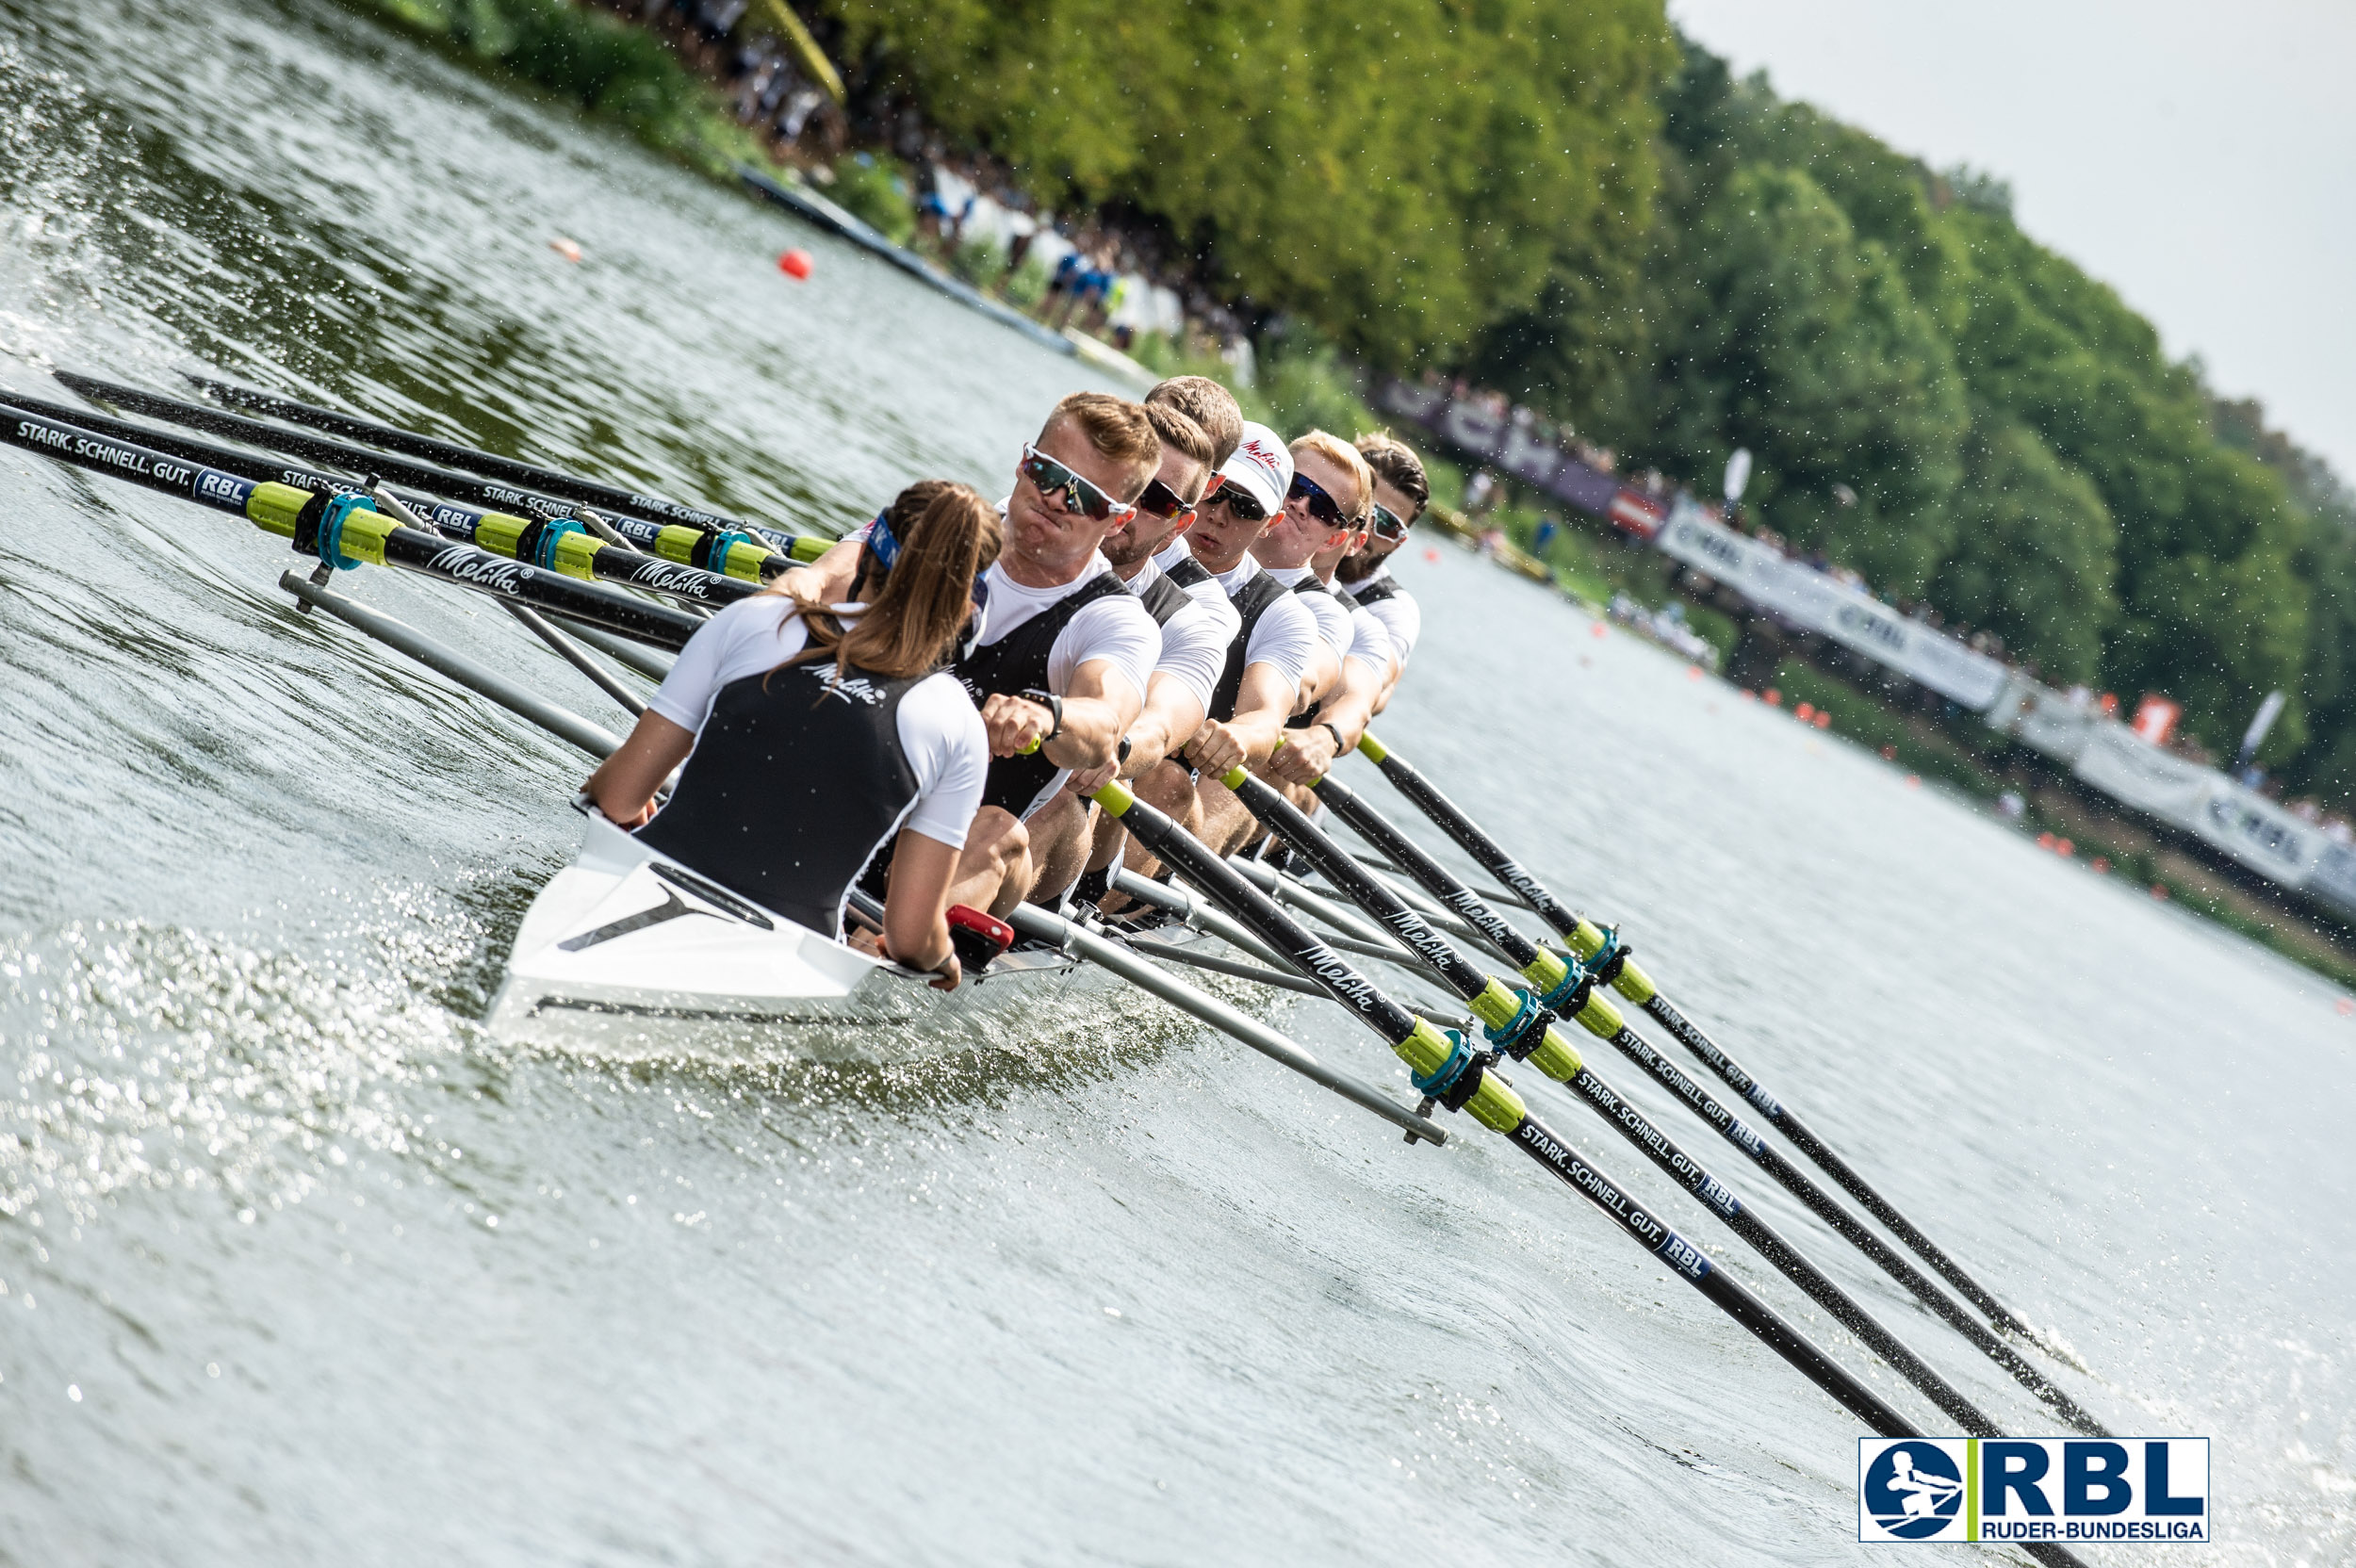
626, 956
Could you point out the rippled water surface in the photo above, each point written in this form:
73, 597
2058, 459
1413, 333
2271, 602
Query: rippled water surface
295, 1265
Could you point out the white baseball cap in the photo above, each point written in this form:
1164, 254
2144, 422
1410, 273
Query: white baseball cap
1262, 467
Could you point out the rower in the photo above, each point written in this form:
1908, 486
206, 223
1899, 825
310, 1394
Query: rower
808, 737
1326, 509
1276, 646
1401, 492
1195, 633
1066, 651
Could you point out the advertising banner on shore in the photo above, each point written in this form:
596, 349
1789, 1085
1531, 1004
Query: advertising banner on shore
1815, 601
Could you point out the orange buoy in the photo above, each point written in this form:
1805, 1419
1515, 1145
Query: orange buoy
794, 265
1771, 698
1432, 557
1594, 629
2045, 840
1805, 712
1824, 720
1693, 672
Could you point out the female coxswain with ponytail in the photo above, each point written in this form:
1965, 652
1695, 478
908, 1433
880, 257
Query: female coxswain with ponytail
812, 736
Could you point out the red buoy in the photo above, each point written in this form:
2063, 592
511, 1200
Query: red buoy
794, 265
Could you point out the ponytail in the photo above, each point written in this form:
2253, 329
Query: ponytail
912, 625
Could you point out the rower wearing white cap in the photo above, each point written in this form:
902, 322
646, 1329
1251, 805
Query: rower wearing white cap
1275, 653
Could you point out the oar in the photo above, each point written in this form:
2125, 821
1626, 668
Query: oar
1448, 1070
343, 530
1601, 950
752, 557
1597, 1016
611, 497
1522, 1026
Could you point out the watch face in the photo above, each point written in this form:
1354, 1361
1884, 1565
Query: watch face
1121, 752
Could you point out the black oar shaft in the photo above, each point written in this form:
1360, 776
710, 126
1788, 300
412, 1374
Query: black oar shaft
298, 515
751, 556
501, 533
1494, 1106
1443, 886
1562, 1063
1585, 938
434, 449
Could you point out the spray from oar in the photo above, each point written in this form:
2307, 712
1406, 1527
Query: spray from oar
1520, 1023
1600, 949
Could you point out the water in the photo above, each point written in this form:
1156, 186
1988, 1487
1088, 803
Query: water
298, 1266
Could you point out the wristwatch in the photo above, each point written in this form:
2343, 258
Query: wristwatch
1327, 725
1054, 705
1121, 752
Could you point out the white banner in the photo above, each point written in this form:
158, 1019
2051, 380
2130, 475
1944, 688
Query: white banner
2042, 719
2128, 768
1814, 602
2258, 833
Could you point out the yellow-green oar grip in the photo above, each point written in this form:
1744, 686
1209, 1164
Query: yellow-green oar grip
1496, 1106
1545, 971
1557, 1057
1115, 798
1599, 1018
809, 547
1635, 984
744, 561
273, 507
1374, 749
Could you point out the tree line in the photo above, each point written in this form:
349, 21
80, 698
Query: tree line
1574, 204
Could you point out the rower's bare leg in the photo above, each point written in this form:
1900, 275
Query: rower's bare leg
1059, 845
1226, 826
995, 868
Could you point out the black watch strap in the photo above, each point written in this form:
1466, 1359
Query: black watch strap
1054, 705
1327, 725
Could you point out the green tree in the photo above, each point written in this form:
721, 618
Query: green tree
2036, 553
1801, 342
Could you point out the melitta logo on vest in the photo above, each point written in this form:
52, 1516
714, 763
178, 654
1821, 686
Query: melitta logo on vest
2061, 1489
857, 689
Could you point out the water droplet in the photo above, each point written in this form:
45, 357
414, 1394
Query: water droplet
74, 1392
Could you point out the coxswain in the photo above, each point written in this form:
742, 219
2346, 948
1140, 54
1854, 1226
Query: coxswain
808, 737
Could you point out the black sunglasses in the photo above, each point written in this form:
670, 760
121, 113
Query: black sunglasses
1388, 525
1322, 506
1079, 496
1245, 506
1164, 502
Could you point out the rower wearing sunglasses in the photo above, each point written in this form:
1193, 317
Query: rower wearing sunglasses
1275, 647
1325, 512
1066, 652
1195, 634
1401, 494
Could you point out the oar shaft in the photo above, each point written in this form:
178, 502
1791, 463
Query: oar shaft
1495, 1105
394, 439
750, 557
1557, 1060
1585, 938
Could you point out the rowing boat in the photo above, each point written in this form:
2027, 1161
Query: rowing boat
624, 954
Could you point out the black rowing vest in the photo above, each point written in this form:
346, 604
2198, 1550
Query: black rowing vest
1311, 586
1162, 599
1373, 591
1251, 602
1188, 573
795, 781
1016, 663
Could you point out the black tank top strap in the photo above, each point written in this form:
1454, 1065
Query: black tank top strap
1162, 599
1251, 601
1015, 663
797, 780
1188, 573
